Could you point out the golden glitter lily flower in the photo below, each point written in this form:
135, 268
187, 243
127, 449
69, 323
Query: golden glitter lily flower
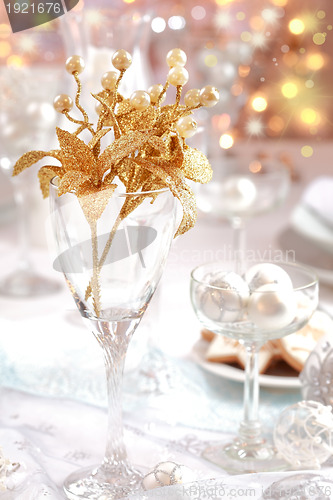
148, 150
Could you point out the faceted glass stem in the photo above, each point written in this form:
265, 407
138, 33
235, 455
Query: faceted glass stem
115, 477
114, 343
238, 242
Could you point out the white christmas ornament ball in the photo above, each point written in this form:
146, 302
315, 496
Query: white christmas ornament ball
267, 273
167, 474
272, 308
238, 193
224, 296
303, 434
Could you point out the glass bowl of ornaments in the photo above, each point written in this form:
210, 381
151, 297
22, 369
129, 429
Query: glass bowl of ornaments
264, 302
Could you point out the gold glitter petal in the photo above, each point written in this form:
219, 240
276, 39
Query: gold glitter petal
174, 180
176, 153
95, 200
45, 174
137, 120
124, 107
71, 182
33, 157
158, 144
121, 148
76, 154
196, 167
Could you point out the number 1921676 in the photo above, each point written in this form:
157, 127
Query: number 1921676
34, 8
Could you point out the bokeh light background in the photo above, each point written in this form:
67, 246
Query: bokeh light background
271, 59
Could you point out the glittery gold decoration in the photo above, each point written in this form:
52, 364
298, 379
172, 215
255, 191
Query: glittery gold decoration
147, 152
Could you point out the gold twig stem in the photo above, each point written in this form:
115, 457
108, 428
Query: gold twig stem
115, 92
178, 95
94, 283
165, 88
78, 105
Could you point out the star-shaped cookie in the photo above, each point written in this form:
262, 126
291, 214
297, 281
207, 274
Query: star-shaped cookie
227, 350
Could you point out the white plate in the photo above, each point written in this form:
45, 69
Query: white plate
236, 374
313, 228
308, 253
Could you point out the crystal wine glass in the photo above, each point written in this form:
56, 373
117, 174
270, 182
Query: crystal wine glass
242, 189
112, 268
28, 77
252, 309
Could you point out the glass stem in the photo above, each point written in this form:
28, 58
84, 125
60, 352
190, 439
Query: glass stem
238, 243
114, 338
21, 200
250, 427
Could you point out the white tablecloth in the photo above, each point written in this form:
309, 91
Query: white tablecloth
53, 416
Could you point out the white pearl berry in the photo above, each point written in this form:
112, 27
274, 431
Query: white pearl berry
186, 126
209, 96
62, 103
75, 64
140, 100
176, 57
109, 80
178, 76
192, 98
154, 91
121, 60
99, 108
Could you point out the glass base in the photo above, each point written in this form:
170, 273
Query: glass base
103, 483
26, 283
240, 457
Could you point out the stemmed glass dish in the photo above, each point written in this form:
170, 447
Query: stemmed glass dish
265, 303
242, 189
112, 268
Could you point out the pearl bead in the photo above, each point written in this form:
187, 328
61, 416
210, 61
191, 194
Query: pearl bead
99, 108
209, 96
75, 64
109, 80
154, 91
176, 57
62, 103
140, 100
186, 126
121, 59
272, 308
178, 76
192, 98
